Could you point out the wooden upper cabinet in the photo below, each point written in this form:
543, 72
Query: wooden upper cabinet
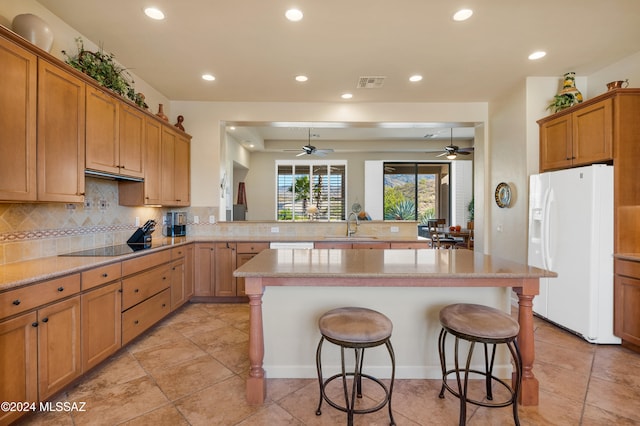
102, 131
555, 143
131, 141
61, 135
115, 134
182, 171
175, 173
18, 88
593, 133
581, 137
153, 164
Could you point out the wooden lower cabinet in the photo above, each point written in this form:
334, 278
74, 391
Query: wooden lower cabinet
142, 316
225, 260
59, 359
19, 365
101, 324
204, 273
626, 320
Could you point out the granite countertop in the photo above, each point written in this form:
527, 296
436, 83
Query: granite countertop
634, 257
31, 271
394, 263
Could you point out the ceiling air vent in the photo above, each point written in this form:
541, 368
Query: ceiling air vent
374, 82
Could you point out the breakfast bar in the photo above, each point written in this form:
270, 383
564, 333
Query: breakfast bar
395, 269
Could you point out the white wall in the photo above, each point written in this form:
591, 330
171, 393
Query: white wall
205, 122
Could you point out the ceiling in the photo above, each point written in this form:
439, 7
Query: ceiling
255, 53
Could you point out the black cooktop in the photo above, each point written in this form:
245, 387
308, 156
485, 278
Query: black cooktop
118, 250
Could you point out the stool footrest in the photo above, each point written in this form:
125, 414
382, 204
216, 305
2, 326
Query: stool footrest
455, 393
361, 410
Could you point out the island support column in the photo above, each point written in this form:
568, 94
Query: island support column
256, 382
530, 385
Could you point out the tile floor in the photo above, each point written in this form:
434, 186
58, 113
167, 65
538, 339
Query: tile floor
190, 369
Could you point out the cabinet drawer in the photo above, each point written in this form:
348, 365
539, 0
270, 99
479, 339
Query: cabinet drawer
32, 296
101, 275
139, 287
627, 268
178, 252
139, 318
252, 247
145, 262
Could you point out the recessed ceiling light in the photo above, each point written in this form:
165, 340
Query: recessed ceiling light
293, 15
208, 77
415, 78
231, 127
537, 55
347, 96
462, 15
301, 78
154, 13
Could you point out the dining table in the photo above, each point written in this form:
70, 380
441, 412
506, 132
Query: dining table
397, 268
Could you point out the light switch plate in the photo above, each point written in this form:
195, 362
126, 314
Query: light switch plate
196, 219
275, 229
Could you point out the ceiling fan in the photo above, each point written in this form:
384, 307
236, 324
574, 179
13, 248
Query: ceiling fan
309, 149
452, 151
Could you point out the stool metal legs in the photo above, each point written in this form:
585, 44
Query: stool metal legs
462, 385
356, 388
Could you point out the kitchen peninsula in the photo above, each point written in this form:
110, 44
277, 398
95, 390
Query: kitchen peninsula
393, 272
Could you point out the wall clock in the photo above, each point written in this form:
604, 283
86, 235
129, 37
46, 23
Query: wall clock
503, 195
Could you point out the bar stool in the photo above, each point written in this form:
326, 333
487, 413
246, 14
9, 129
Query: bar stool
358, 329
489, 326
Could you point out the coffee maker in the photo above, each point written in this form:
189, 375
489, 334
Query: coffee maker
176, 224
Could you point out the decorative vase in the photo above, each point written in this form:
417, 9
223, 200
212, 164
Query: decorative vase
34, 29
161, 113
569, 88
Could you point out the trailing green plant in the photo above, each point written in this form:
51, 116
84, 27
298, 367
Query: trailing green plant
470, 210
561, 102
103, 68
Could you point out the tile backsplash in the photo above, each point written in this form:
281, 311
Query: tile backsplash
34, 230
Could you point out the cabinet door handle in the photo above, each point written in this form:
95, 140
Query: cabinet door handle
105, 275
119, 290
34, 324
136, 322
164, 278
60, 289
164, 305
16, 302
136, 290
45, 320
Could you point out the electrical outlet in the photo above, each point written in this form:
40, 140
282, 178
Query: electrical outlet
212, 219
137, 221
275, 229
196, 219
395, 229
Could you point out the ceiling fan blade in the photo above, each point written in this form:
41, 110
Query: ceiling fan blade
301, 154
463, 152
443, 154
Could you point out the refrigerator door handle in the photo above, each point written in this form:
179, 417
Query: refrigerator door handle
546, 229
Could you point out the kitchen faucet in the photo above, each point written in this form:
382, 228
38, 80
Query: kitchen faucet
350, 231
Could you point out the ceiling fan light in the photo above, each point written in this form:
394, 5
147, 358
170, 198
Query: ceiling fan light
452, 156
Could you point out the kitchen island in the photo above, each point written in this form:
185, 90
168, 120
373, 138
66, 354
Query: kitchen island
398, 270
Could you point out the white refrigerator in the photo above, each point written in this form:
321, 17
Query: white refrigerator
571, 233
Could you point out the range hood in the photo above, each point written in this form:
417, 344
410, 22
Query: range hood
110, 176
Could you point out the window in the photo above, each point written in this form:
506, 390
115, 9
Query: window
416, 191
309, 190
